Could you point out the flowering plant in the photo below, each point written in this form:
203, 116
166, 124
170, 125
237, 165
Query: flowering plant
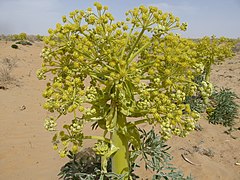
118, 75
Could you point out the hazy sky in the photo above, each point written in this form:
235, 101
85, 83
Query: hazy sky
204, 17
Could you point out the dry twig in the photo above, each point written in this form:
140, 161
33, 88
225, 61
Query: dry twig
190, 162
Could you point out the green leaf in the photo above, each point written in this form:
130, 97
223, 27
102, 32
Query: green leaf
133, 136
111, 119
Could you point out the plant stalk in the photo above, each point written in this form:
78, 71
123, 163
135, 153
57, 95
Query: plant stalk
120, 160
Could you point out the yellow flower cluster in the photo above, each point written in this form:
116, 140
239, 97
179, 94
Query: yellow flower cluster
70, 138
135, 69
50, 124
101, 148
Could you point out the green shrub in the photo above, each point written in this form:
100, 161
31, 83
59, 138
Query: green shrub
224, 110
154, 153
22, 36
24, 43
14, 46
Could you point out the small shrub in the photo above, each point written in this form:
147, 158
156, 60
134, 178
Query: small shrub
154, 152
22, 36
24, 43
224, 110
14, 46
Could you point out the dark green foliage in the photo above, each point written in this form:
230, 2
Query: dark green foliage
224, 110
171, 175
23, 42
14, 46
82, 164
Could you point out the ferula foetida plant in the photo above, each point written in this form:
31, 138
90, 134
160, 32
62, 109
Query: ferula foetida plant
212, 50
117, 75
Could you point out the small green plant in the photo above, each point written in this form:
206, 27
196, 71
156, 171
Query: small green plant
224, 110
14, 46
154, 153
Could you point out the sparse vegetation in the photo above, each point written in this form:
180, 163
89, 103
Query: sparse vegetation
18, 37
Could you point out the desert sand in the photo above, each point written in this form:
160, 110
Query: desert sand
25, 146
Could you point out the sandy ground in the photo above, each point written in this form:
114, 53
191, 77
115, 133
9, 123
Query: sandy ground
25, 146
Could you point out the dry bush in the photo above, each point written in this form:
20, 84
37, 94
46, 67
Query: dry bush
9, 63
6, 68
5, 76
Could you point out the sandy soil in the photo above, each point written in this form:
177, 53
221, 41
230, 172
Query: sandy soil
25, 146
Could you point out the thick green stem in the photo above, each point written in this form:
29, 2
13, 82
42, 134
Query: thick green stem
120, 160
